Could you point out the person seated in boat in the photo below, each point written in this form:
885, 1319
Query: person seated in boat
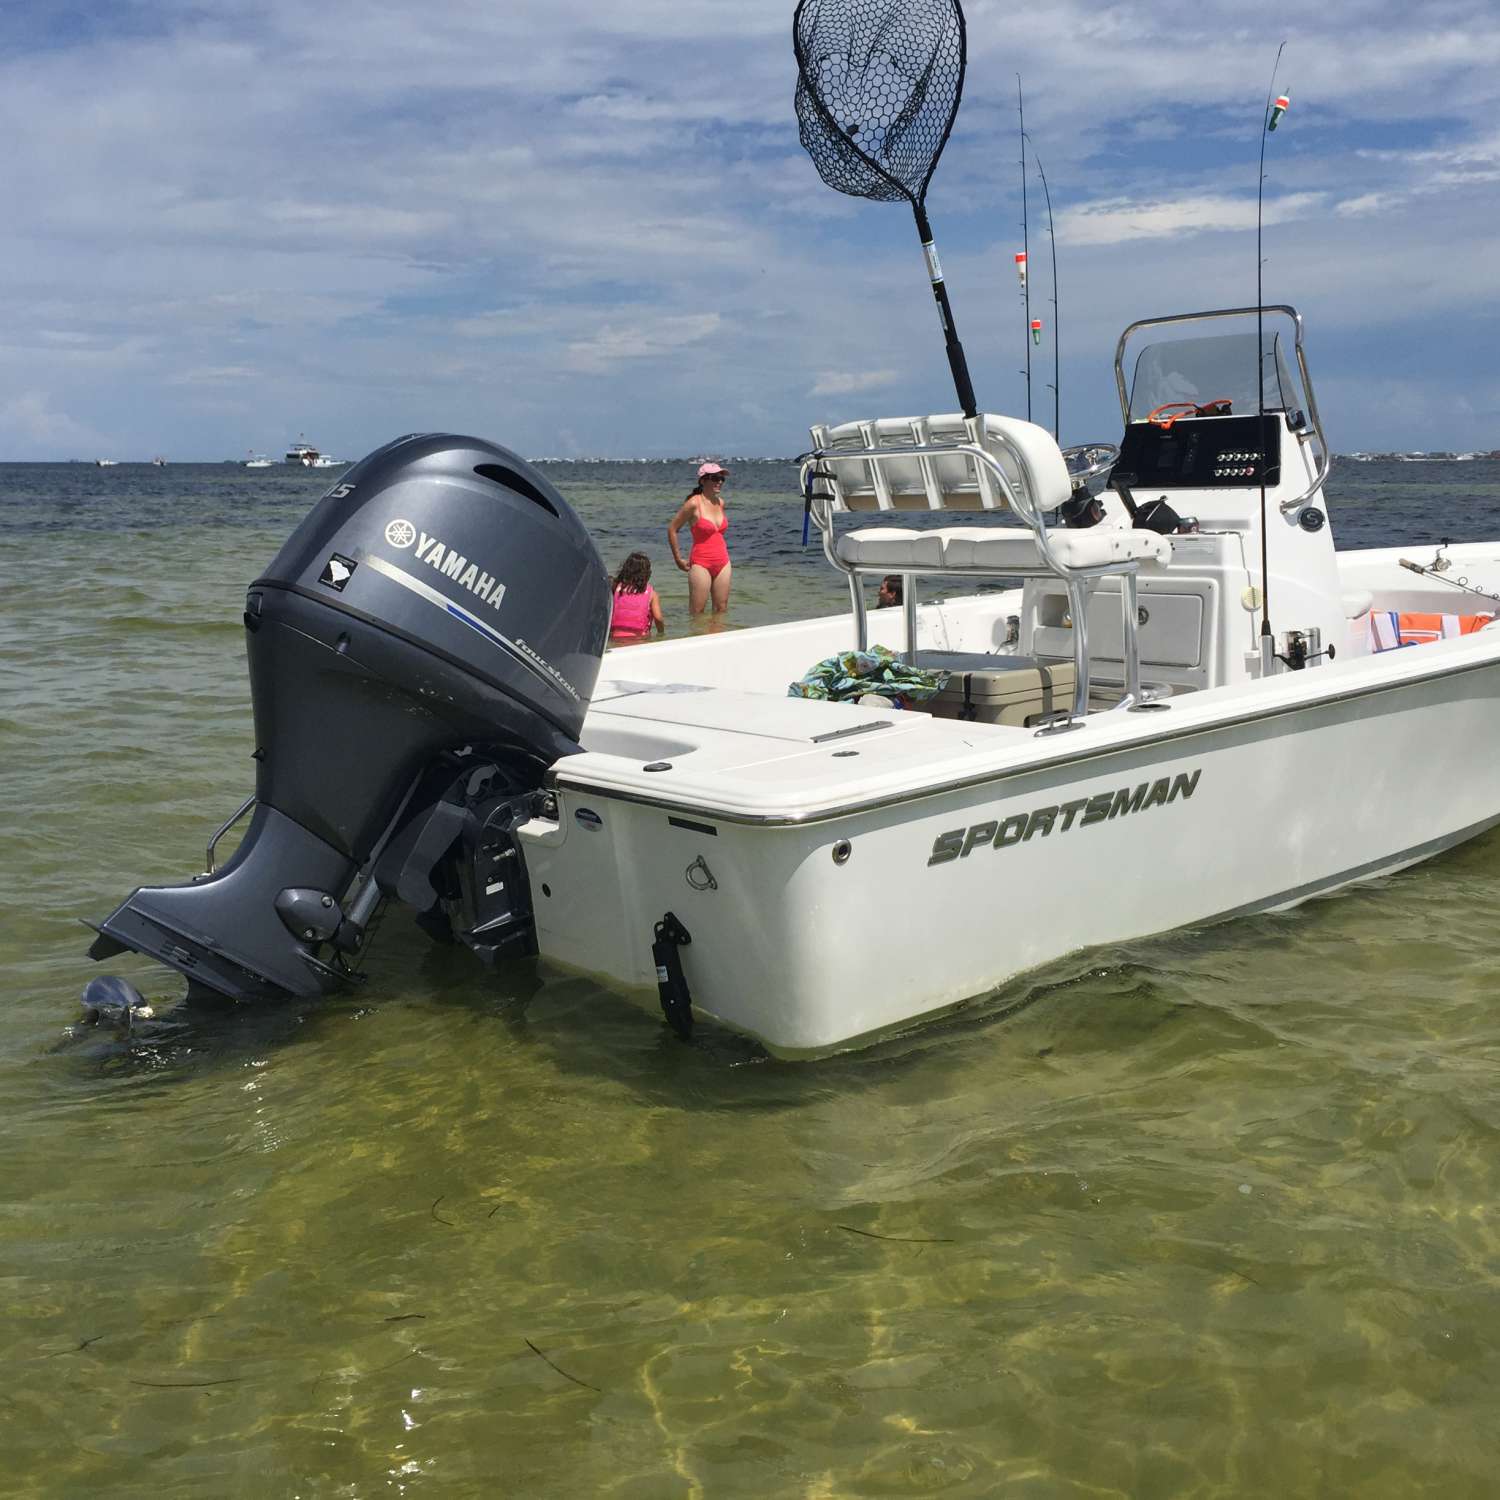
707, 565
637, 606
890, 592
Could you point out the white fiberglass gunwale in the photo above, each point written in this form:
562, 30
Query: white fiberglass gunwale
917, 757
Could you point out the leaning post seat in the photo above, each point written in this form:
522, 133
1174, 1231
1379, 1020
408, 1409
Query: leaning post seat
900, 479
982, 463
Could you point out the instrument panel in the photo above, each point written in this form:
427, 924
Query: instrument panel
1201, 453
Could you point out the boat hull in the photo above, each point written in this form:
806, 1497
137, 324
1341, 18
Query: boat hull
942, 897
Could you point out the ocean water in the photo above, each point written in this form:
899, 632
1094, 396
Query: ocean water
1208, 1215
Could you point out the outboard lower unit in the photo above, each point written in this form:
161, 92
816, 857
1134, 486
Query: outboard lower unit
421, 650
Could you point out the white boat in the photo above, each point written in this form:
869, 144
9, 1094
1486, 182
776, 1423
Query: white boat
1121, 746
106, 463
158, 462
258, 461
847, 870
304, 453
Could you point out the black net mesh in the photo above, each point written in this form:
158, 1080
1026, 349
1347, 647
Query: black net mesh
878, 84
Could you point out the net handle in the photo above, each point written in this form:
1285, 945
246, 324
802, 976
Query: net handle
957, 363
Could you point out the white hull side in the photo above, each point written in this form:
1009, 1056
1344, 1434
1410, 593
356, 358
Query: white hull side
810, 956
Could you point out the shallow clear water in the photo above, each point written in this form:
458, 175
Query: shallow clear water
1207, 1215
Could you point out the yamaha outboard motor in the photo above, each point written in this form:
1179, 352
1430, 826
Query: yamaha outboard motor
421, 650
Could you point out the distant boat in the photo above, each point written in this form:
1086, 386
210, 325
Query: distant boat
159, 461
106, 463
302, 452
258, 461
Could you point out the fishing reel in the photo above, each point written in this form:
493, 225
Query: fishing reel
1304, 648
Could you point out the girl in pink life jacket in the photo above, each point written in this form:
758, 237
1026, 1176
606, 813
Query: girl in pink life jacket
637, 607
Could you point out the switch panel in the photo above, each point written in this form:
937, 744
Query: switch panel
1201, 453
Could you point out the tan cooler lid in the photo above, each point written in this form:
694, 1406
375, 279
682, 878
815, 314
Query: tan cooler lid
998, 679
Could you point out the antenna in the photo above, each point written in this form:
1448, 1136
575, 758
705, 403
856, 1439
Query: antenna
1025, 247
1056, 357
1268, 122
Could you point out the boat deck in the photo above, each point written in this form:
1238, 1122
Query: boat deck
748, 753
754, 757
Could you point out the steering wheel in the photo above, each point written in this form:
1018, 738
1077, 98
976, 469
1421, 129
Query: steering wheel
1086, 460
1159, 417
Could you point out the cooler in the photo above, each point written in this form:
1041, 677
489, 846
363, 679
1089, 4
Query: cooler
1016, 690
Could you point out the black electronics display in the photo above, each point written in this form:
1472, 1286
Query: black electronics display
1201, 453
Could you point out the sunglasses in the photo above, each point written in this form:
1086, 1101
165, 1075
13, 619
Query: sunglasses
714, 478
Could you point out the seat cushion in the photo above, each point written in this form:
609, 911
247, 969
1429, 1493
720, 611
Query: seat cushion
1010, 548
893, 547
1028, 455
997, 547
1100, 545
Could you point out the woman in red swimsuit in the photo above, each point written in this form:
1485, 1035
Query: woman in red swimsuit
707, 566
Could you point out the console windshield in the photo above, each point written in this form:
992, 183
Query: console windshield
1219, 367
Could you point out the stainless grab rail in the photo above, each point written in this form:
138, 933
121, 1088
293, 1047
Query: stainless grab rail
1075, 580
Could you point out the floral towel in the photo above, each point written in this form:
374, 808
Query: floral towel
852, 674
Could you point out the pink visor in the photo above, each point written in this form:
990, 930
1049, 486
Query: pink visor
704, 470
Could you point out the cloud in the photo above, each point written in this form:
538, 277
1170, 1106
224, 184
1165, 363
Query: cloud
31, 421
1116, 221
215, 375
365, 217
849, 383
641, 339
1368, 203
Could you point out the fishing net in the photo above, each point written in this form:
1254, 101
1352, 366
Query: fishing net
878, 85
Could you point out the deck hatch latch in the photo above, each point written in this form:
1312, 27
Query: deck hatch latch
841, 734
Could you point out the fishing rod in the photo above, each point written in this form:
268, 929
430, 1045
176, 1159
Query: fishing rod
1056, 337
1028, 330
1268, 122
1430, 570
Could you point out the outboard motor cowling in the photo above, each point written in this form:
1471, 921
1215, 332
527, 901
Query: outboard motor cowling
422, 648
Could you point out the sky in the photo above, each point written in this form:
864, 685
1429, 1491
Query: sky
586, 227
